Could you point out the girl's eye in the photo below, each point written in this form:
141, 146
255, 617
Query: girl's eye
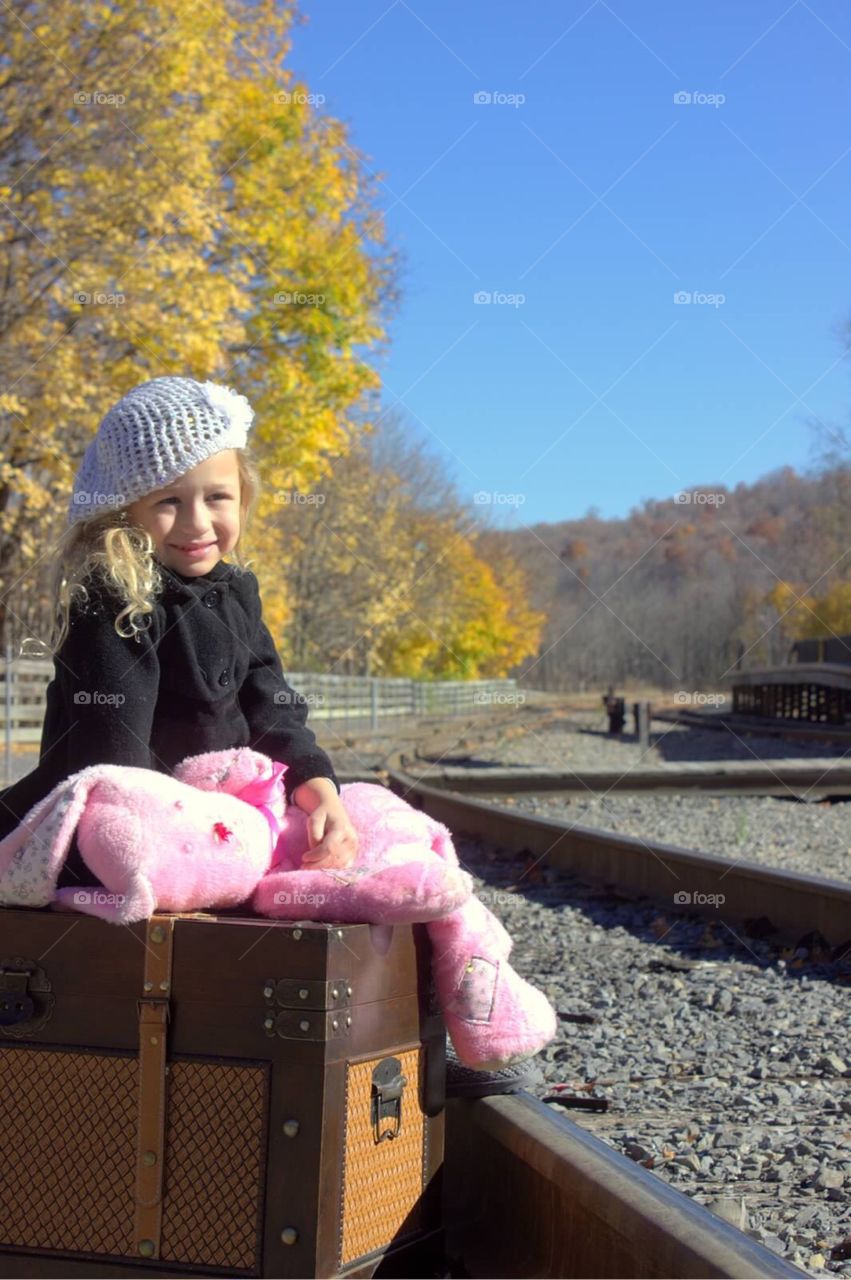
214, 498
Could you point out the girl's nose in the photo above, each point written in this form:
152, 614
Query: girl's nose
197, 518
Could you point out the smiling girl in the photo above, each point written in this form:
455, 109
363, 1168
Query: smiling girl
160, 647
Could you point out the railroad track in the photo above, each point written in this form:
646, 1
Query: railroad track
794, 904
808, 779
359, 754
614, 1209
756, 724
529, 1193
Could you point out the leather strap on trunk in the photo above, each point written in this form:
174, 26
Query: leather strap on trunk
153, 1007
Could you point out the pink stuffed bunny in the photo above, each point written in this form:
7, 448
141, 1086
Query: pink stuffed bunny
407, 869
219, 831
155, 842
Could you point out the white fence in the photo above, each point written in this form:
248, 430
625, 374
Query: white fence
347, 700
362, 699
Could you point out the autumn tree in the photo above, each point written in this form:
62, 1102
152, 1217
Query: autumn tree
172, 202
812, 617
389, 575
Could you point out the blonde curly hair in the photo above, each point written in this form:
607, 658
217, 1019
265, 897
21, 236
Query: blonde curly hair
123, 554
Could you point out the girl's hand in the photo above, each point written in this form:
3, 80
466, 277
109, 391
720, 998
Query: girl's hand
332, 838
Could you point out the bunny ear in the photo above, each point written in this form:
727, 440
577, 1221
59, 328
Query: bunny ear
31, 856
136, 903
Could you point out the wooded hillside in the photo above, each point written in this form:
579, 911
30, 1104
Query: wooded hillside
678, 591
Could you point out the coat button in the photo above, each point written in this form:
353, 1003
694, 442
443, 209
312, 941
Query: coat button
224, 678
211, 599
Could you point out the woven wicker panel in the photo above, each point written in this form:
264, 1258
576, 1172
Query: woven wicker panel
382, 1181
215, 1163
67, 1150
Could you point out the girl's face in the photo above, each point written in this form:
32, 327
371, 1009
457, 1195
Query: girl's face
195, 520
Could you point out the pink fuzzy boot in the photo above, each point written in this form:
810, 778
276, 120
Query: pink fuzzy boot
493, 1016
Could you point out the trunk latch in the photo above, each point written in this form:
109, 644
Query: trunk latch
388, 1086
26, 1000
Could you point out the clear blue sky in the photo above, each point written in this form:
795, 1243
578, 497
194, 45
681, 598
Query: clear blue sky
599, 198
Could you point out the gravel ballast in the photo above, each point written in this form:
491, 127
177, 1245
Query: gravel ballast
582, 742
812, 837
724, 1060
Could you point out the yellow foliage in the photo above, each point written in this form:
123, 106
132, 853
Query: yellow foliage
813, 617
376, 582
473, 622
190, 211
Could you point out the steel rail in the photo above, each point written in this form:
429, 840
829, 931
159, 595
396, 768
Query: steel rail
793, 903
807, 780
530, 1193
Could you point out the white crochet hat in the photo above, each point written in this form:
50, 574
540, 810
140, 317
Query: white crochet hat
155, 434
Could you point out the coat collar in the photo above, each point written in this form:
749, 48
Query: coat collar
176, 584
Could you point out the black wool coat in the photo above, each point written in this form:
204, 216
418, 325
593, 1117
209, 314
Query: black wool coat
205, 677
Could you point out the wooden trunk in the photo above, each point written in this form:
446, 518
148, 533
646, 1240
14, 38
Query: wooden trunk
216, 1095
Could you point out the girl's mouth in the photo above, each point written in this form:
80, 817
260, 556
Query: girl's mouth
195, 550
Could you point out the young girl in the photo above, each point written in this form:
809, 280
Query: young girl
162, 651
